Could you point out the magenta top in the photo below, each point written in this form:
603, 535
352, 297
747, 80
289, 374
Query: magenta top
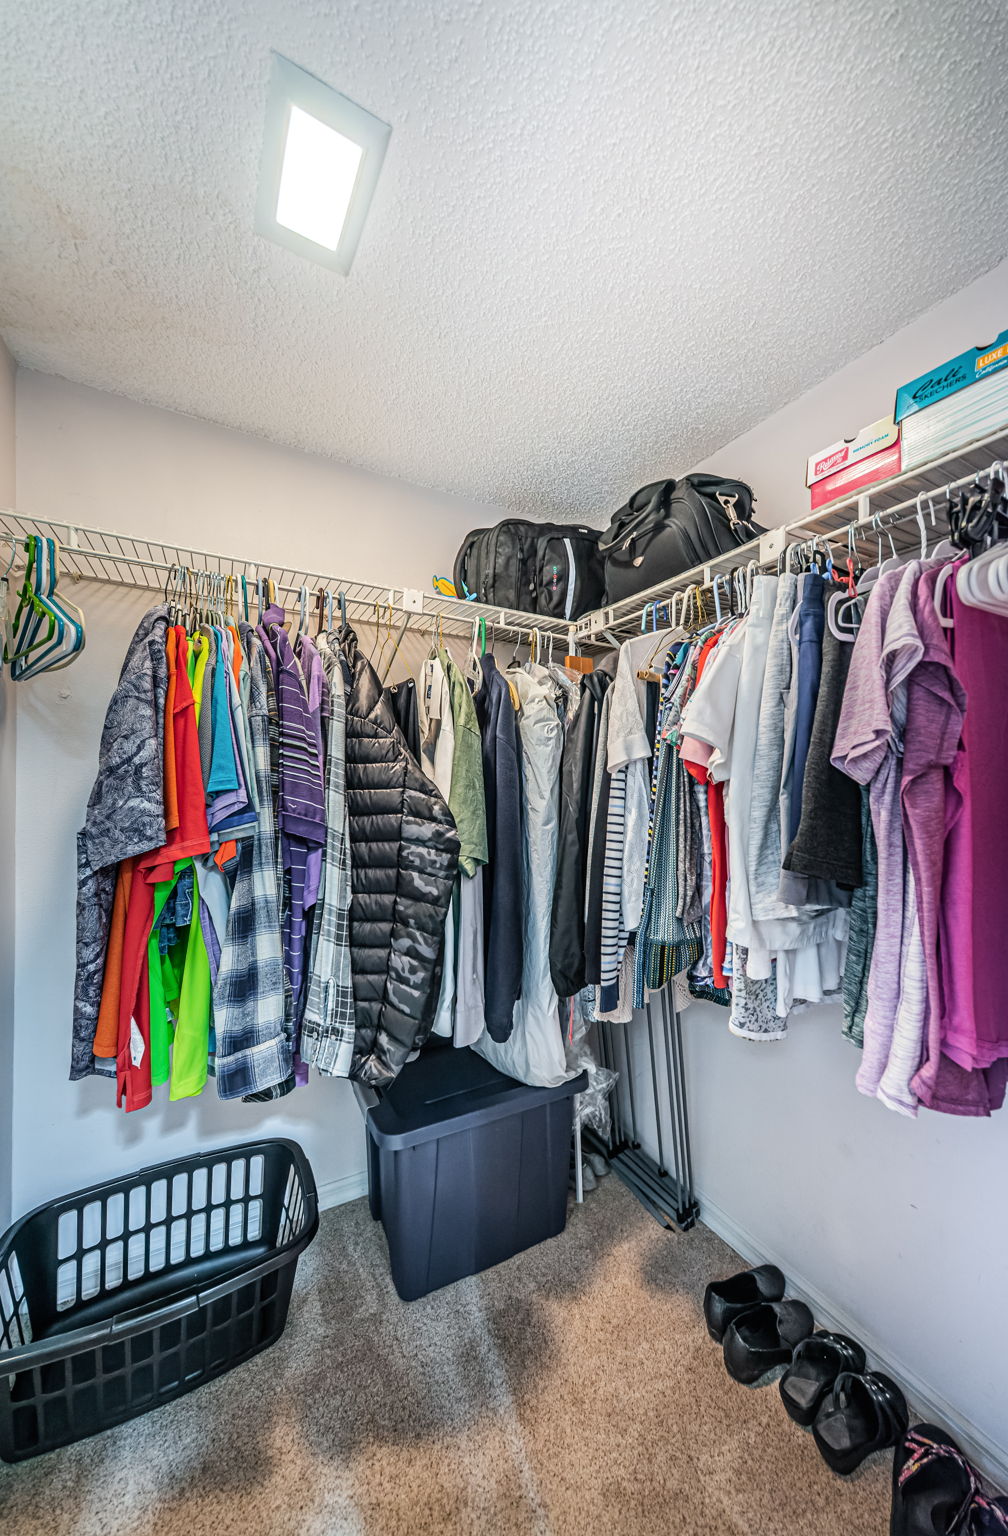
975, 1020
936, 708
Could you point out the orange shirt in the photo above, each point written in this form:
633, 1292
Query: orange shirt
236, 659
106, 1040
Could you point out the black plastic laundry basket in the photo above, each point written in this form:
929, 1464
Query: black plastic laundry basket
124, 1296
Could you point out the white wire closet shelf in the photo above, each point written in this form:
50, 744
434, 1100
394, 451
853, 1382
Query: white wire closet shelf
893, 502
127, 560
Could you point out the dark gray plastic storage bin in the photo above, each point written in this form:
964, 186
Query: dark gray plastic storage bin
466, 1167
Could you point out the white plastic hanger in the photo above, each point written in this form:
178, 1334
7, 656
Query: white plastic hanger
477, 650
920, 520
983, 581
842, 612
939, 591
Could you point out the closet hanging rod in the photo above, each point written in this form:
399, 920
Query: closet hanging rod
895, 496
132, 560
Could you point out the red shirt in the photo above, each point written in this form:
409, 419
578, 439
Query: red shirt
190, 835
719, 846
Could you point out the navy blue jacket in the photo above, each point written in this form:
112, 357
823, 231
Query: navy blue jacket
503, 938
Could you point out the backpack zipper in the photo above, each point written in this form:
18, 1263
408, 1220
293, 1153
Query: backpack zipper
569, 601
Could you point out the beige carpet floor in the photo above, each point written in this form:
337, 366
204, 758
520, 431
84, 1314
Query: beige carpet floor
572, 1390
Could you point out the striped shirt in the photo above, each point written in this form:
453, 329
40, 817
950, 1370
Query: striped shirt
327, 1029
614, 932
302, 804
252, 1033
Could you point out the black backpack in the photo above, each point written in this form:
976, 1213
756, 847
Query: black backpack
549, 568
671, 526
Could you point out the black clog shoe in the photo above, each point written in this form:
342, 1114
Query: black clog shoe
814, 1368
863, 1413
933, 1485
725, 1300
765, 1337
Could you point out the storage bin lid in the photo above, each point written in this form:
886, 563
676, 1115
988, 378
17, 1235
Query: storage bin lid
451, 1090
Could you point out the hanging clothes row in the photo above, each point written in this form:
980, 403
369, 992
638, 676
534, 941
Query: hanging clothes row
284, 865
263, 872
491, 741
798, 801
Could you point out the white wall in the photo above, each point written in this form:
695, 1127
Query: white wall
896, 1228
101, 460
773, 456
7, 783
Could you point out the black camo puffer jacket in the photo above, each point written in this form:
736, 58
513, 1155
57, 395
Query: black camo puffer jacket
404, 856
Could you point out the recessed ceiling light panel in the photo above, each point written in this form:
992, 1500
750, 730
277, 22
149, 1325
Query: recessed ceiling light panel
322, 155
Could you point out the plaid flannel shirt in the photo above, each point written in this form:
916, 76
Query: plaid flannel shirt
327, 1027
253, 1028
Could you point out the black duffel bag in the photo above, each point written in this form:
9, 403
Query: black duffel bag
671, 526
552, 569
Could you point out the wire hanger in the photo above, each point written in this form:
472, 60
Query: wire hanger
510, 663
386, 640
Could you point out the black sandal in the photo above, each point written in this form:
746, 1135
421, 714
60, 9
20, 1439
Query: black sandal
862, 1414
814, 1368
987, 1517
933, 1485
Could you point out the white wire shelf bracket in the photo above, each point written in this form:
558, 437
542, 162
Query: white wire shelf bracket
127, 560
893, 502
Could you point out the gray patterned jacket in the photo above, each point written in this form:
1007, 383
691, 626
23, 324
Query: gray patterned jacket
125, 816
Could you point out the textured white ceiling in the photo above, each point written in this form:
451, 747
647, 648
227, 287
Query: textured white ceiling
606, 240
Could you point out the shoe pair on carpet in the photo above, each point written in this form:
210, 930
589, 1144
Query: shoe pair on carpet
825, 1387
851, 1411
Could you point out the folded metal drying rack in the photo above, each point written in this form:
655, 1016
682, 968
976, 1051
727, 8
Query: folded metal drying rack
664, 1188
